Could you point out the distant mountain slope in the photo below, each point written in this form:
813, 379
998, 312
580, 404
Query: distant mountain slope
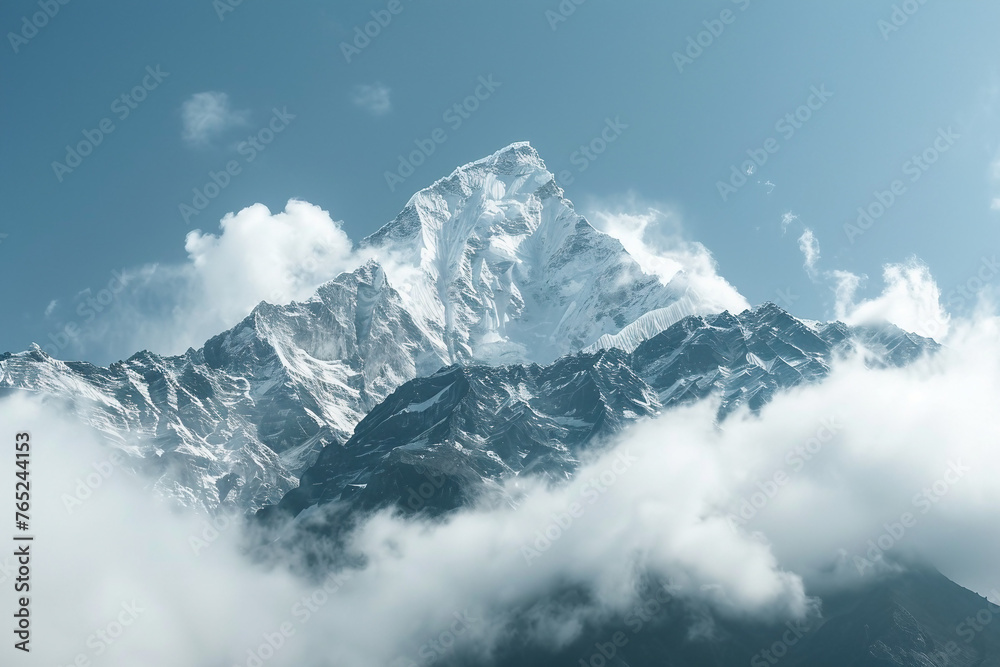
917, 619
466, 428
234, 423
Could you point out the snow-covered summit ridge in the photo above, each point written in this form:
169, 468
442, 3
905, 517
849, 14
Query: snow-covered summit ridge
496, 266
491, 265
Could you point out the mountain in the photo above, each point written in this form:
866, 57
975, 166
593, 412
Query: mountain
500, 268
495, 334
439, 442
233, 424
915, 619
489, 265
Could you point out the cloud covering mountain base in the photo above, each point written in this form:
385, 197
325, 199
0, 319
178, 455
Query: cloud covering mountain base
831, 486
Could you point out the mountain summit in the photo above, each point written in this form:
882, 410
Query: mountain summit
491, 265
496, 266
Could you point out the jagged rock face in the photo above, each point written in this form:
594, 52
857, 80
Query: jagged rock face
488, 266
233, 425
491, 265
501, 269
441, 441
504, 337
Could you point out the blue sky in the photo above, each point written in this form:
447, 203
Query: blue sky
211, 78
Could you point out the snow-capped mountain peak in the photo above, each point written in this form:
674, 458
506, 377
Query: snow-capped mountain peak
496, 264
491, 265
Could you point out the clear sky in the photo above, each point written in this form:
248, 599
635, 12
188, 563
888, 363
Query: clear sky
200, 77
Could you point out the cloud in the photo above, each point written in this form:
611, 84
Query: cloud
787, 219
255, 256
212, 605
914, 440
809, 246
207, 116
375, 98
752, 519
911, 300
655, 240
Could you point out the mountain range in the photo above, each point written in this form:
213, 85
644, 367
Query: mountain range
491, 265
495, 334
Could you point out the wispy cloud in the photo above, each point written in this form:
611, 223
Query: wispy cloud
375, 98
207, 116
654, 237
911, 300
787, 219
809, 246
857, 446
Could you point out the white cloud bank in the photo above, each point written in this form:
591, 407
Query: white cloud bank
749, 519
255, 256
655, 240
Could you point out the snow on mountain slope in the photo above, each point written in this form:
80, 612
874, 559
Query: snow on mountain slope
488, 265
234, 423
464, 429
499, 267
